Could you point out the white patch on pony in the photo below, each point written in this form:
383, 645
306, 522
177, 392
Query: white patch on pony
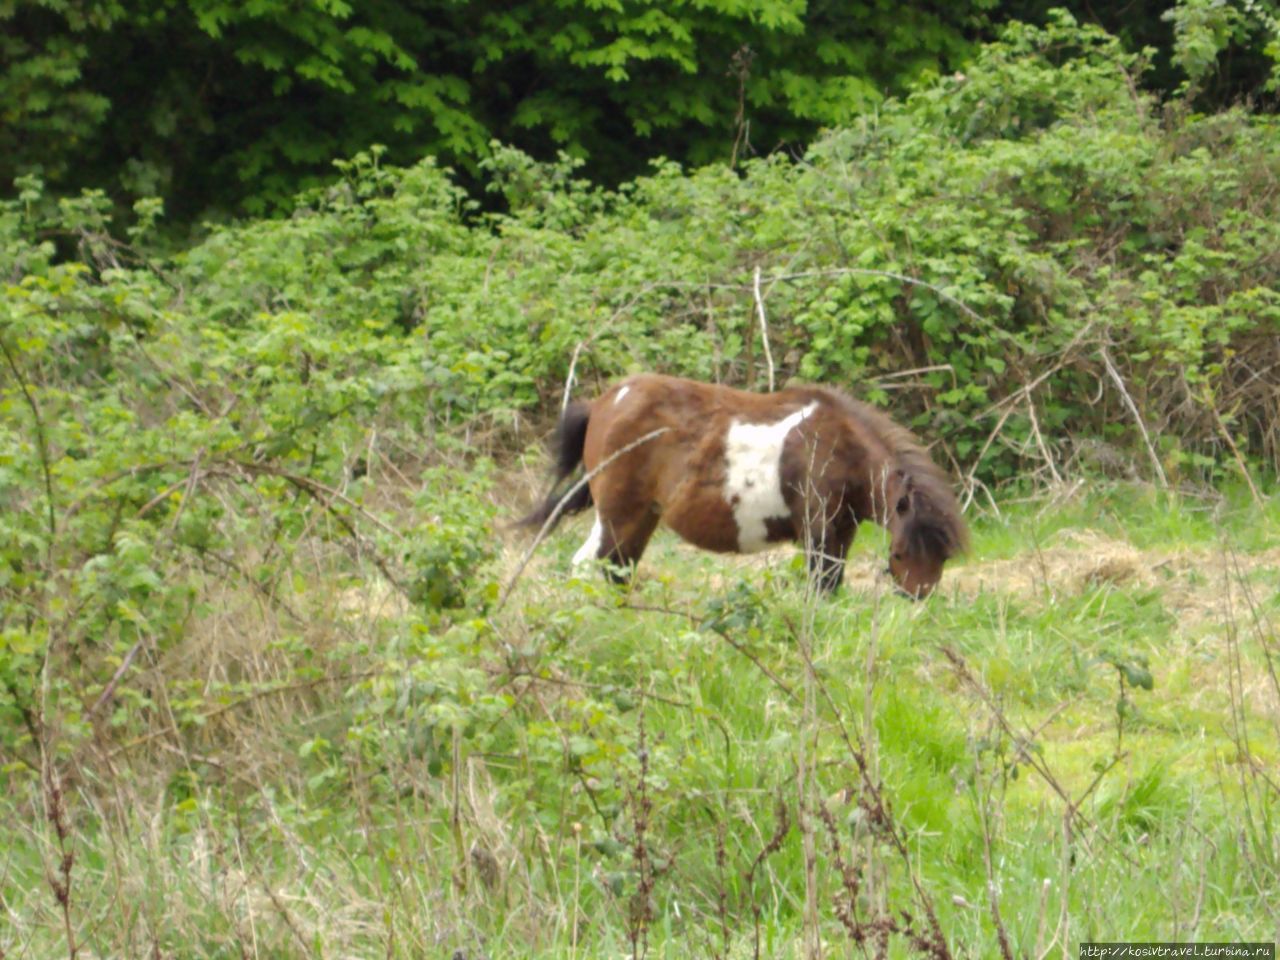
621, 393
753, 476
587, 552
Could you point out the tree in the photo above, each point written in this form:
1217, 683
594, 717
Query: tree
222, 103
231, 105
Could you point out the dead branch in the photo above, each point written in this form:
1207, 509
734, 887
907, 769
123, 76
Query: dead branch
764, 328
1114, 374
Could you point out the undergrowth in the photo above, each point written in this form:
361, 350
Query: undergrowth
708, 763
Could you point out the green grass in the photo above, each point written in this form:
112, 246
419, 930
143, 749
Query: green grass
480, 789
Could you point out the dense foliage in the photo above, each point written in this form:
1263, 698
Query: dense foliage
206, 103
1066, 272
217, 105
254, 472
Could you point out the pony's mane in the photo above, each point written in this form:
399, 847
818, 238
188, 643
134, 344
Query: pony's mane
936, 527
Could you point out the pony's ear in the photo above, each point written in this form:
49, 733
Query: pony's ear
905, 493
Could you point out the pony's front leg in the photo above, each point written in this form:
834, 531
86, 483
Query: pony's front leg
825, 555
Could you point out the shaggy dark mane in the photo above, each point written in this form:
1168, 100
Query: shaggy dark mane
937, 528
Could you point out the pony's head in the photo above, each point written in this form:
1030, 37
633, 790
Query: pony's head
925, 528
911, 497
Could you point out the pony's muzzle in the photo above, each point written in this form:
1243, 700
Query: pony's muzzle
900, 590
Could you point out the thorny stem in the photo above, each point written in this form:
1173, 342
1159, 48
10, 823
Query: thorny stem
60, 882
781, 828
42, 443
640, 914
993, 898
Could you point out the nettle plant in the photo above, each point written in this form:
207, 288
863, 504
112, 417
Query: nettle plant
161, 436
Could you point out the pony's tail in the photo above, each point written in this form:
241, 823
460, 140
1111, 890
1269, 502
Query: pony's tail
570, 435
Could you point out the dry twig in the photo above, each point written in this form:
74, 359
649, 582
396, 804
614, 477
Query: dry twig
1114, 374
764, 328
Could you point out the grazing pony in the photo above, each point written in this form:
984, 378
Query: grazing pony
736, 472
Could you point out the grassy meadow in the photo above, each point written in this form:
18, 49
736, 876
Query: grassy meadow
276, 681
1076, 738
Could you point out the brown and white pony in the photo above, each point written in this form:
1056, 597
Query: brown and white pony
736, 472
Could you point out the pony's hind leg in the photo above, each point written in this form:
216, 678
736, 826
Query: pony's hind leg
590, 549
620, 542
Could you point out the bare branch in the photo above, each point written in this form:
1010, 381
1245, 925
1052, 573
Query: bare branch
764, 328
1114, 374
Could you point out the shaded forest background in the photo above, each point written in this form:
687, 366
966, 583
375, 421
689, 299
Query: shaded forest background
224, 107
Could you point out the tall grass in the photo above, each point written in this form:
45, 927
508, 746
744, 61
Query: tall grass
711, 763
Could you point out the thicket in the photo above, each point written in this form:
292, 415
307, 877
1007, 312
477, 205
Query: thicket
212, 102
1032, 262
1029, 262
217, 105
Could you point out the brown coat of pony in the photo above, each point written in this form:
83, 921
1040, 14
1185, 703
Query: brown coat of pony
733, 471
